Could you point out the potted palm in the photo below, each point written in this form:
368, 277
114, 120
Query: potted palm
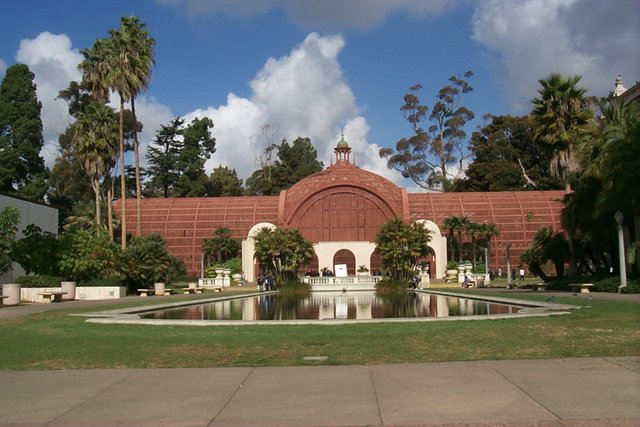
363, 270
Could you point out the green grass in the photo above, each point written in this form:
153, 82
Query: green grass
54, 340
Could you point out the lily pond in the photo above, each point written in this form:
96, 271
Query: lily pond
360, 305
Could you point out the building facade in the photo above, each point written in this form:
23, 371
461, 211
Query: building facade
340, 210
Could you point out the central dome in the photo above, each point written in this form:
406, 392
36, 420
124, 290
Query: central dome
341, 202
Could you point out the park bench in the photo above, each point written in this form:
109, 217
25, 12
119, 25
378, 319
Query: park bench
539, 287
51, 296
196, 290
146, 292
168, 291
583, 288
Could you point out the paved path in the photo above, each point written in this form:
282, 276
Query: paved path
565, 392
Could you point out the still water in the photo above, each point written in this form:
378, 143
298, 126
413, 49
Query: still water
334, 305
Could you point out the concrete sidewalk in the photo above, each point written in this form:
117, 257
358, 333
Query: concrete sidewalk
564, 392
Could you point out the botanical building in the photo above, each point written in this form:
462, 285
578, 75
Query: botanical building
340, 210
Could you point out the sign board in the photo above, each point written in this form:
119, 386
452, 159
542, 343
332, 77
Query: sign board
340, 270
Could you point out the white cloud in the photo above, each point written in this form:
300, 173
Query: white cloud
325, 14
534, 38
302, 94
54, 63
3, 66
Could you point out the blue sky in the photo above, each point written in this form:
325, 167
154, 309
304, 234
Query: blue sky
274, 69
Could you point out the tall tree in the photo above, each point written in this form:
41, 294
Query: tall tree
506, 159
162, 158
22, 170
224, 181
121, 63
560, 111
294, 162
198, 145
134, 32
9, 219
427, 155
95, 144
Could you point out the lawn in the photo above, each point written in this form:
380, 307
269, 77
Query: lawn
55, 340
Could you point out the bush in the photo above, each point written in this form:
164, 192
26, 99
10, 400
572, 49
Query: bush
39, 281
600, 284
389, 286
294, 288
147, 260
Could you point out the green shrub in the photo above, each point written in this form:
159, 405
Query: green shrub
389, 286
294, 288
39, 281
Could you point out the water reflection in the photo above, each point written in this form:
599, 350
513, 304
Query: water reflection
335, 305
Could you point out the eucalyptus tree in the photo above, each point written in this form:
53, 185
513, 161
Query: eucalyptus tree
22, 169
400, 245
95, 145
561, 110
427, 155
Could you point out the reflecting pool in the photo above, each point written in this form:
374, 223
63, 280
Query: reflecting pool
358, 305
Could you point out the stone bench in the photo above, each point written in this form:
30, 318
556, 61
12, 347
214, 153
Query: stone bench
539, 287
190, 290
583, 288
51, 296
146, 292
168, 291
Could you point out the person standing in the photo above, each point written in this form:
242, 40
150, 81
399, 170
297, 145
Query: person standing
522, 274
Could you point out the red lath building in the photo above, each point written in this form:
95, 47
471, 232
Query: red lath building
340, 209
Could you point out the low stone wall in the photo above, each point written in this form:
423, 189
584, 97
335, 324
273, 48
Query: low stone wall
82, 293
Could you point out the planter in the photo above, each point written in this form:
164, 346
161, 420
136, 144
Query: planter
70, 289
11, 294
159, 288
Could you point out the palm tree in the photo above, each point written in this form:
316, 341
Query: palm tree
456, 226
140, 61
94, 144
121, 63
561, 110
283, 250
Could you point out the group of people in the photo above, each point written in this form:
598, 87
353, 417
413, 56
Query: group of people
521, 271
266, 282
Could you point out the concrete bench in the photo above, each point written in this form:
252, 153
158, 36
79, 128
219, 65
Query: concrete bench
51, 296
168, 291
190, 290
146, 292
583, 288
539, 287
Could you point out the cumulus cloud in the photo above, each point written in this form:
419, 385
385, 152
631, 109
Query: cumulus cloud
325, 14
301, 94
54, 64
534, 38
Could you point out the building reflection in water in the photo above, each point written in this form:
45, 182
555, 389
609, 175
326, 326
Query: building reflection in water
335, 305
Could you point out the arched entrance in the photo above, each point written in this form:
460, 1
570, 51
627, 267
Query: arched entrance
429, 262
375, 261
345, 256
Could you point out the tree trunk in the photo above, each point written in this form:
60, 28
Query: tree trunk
123, 182
110, 208
136, 152
96, 189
